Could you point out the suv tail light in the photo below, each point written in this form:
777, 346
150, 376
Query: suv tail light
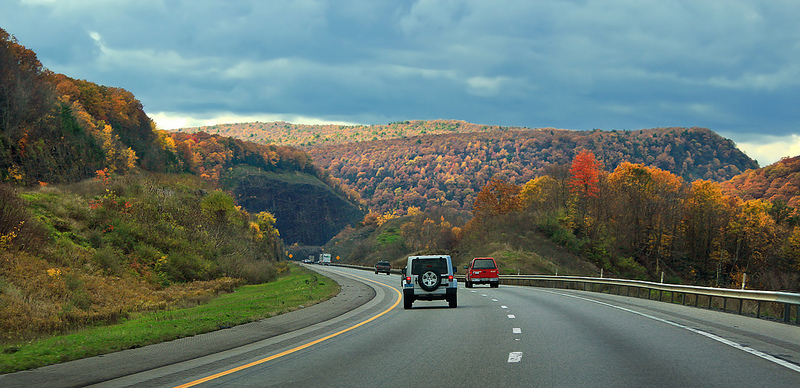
408, 279
450, 278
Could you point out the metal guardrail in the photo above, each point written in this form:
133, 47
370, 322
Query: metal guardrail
687, 294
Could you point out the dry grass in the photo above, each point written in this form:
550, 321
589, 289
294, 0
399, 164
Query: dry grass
37, 299
176, 312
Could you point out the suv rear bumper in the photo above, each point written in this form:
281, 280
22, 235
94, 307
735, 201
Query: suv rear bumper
484, 280
440, 294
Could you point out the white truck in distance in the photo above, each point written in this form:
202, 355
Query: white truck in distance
325, 259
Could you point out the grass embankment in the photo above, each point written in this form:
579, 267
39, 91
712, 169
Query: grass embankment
246, 304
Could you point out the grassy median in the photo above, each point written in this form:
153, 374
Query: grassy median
248, 303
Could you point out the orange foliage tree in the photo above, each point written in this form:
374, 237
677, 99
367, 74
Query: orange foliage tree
585, 173
496, 198
583, 183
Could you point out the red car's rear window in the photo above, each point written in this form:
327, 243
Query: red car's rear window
484, 264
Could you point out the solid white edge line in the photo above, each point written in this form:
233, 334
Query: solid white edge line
714, 337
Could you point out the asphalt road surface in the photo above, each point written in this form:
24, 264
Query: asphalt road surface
505, 337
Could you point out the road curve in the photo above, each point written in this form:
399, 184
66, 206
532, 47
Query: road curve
521, 336
115, 369
509, 336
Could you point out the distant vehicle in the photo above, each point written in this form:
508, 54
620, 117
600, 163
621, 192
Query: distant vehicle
325, 259
482, 270
383, 266
429, 278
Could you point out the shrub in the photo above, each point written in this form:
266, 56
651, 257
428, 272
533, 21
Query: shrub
628, 268
251, 271
184, 267
109, 260
18, 230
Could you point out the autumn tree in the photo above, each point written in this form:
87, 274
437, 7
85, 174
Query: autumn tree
583, 183
585, 173
791, 249
750, 239
706, 213
496, 198
647, 212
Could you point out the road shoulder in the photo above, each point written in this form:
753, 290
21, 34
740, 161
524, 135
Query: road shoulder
106, 367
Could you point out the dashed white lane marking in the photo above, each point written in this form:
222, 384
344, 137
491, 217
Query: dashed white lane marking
503, 307
516, 330
515, 357
473, 291
494, 300
730, 343
511, 316
484, 295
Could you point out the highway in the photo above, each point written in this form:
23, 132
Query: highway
506, 337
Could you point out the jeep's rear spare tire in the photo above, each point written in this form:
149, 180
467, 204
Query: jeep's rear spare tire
430, 280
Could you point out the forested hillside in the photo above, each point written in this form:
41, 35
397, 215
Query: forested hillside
641, 219
102, 215
446, 162
306, 135
55, 129
309, 205
633, 222
777, 182
449, 170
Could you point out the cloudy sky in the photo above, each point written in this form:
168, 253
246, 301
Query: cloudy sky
730, 65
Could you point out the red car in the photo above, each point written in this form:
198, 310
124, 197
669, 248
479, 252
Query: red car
482, 270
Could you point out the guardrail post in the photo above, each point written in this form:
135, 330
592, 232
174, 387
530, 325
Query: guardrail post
787, 312
758, 310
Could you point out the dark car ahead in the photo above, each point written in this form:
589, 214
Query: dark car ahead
383, 266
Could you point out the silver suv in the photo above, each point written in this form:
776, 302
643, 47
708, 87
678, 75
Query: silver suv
429, 278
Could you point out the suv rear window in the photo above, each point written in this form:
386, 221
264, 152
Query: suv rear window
418, 266
483, 264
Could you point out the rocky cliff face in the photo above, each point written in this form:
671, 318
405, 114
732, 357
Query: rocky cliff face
307, 211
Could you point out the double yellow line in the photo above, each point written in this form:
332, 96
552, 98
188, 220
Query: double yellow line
301, 347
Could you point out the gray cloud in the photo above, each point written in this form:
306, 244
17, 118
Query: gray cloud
732, 66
